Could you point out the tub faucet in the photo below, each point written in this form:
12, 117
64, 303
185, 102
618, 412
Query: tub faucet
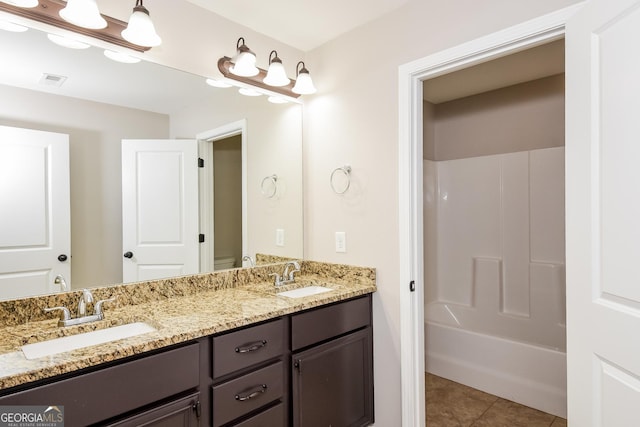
248, 258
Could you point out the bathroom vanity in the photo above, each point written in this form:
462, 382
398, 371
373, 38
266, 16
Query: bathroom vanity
308, 362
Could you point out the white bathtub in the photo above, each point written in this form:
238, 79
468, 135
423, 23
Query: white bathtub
528, 374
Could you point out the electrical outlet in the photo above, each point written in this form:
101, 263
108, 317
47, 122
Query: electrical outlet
341, 241
279, 237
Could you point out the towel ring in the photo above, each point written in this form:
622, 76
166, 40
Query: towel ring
346, 171
265, 190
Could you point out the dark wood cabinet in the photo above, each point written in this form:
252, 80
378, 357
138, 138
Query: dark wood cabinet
332, 379
312, 368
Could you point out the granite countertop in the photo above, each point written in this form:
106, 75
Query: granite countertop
177, 318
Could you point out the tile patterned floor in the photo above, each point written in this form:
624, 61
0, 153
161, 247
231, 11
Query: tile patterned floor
450, 404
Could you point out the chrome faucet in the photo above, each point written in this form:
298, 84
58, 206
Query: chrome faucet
287, 274
85, 299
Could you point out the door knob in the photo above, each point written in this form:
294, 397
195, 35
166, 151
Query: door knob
128, 254
62, 258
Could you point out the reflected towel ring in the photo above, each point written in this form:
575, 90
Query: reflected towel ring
267, 192
346, 171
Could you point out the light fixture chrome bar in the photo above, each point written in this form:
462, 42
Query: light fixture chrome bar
47, 12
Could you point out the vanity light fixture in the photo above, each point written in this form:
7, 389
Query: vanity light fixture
276, 75
21, 3
83, 13
304, 84
121, 57
273, 81
10, 26
67, 42
244, 63
57, 13
141, 30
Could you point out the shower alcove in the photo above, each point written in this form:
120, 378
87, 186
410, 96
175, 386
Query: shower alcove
494, 227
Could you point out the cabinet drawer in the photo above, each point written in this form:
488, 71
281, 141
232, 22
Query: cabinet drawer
235, 398
272, 417
99, 395
240, 349
324, 323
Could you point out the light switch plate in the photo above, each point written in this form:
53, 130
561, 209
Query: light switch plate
279, 237
341, 241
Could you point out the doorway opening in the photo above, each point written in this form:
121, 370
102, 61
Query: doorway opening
223, 196
494, 253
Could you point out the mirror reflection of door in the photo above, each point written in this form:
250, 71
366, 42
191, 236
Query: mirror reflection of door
159, 209
35, 233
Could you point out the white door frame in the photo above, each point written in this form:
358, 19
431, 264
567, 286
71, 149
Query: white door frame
205, 179
523, 36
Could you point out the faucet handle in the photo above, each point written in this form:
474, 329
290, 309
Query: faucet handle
97, 308
66, 314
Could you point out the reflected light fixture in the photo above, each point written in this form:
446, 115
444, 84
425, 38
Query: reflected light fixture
10, 26
244, 63
67, 42
140, 29
277, 100
121, 57
83, 13
218, 83
249, 92
54, 12
304, 84
276, 75
21, 3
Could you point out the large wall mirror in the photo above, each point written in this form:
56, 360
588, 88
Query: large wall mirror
255, 144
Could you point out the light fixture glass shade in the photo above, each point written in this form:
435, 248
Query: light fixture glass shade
218, 83
21, 3
121, 57
140, 29
304, 84
244, 63
67, 42
14, 28
277, 100
249, 92
276, 75
83, 13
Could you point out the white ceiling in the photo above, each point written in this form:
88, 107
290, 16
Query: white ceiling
303, 24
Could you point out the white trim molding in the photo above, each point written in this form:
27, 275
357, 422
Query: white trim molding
529, 34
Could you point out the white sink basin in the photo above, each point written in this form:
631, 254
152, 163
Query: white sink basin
304, 292
74, 342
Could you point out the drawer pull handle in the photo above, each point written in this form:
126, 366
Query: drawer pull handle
261, 389
248, 348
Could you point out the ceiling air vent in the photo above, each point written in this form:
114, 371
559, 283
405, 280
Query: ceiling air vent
52, 80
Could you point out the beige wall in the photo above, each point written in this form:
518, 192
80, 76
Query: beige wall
353, 119
522, 117
95, 131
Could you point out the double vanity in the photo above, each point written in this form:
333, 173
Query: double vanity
222, 349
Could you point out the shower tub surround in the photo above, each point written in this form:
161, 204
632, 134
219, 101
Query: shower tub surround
494, 282
181, 309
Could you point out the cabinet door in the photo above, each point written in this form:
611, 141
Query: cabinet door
333, 383
180, 413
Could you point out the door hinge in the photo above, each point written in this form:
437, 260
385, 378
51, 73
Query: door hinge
200, 162
201, 238
412, 286
298, 365
197, 408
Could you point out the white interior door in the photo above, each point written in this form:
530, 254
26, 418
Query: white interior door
603, 214
35, 233
159, 209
